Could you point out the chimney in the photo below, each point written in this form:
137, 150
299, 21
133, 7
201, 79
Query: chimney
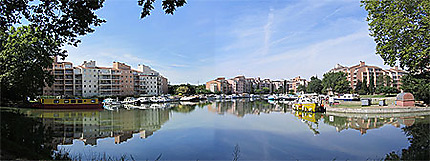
362, 63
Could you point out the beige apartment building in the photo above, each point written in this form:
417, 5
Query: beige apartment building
364, 72
240, 84
89, 80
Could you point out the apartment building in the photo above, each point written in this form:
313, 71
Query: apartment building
241, 84
363, 72
219, 85
89, 80
296, 81
64, 74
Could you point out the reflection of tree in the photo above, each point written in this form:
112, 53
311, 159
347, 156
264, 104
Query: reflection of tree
23, 137
419, 139
184, 108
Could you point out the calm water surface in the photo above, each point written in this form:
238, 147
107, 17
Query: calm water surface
258, 130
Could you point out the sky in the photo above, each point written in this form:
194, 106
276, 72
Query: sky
206, 39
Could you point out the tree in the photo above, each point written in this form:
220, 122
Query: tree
301, 88
371, 85
169, 6
201, 89
364, 86
265, 90
26, 53
314, 86
401, 30
336, 82
418, 85
380, 82
182, 90
388, 80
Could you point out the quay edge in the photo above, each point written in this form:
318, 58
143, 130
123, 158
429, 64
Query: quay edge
378, 110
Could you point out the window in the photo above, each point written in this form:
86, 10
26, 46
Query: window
66, 101
72, 101
85, 85
56, 101
93, 101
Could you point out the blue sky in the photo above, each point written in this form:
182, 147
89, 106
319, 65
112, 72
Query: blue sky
206, 39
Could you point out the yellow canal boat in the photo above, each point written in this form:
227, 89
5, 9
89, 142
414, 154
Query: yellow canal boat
54, 103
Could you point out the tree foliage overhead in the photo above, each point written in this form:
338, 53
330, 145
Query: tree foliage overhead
61, 20
401, 30
169, 6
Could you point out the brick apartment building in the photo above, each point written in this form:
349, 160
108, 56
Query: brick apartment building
364, 72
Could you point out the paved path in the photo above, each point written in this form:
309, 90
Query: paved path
378, 109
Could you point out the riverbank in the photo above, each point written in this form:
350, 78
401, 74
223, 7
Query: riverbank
378, 109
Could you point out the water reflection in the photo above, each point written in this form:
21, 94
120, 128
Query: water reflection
197, 127
364, 123
91, 125
242, 107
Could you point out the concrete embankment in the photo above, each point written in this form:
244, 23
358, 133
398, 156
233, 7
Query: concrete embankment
379, 110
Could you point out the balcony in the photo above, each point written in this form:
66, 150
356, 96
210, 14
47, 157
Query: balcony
68, 72
58, 72
105, 84
58, 89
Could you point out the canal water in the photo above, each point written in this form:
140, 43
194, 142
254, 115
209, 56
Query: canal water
237, 129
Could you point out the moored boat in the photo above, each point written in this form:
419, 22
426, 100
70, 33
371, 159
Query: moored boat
68, 103
110, 101
308, 103
347, 97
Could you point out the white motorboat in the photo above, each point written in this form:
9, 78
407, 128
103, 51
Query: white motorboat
190, 98
347, 97
129, 100
110, 101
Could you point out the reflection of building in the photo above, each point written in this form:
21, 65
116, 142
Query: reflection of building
89, 126
242, 107
364, 124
